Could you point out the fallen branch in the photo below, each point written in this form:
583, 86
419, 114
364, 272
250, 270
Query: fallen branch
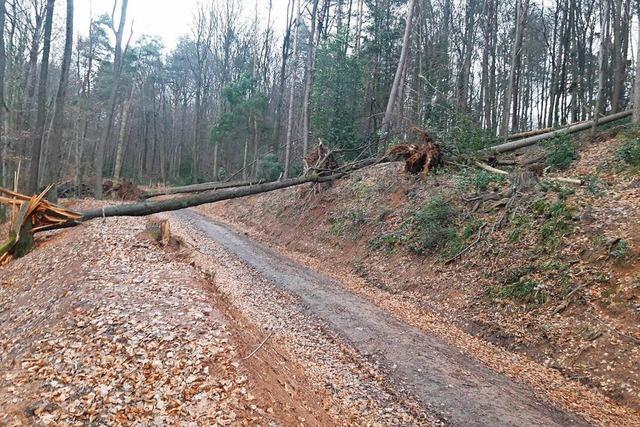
525, 142
552, 179
491, 169
258, 348
566, 180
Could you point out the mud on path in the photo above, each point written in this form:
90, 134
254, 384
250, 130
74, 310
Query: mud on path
457, 388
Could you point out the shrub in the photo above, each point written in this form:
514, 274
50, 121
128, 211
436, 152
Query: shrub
629, 152
483, 179
562, 151
530, 291
559, 223
384, 242
433, 226
269, 168
347, 222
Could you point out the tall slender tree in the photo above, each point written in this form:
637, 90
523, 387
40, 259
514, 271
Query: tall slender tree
38, 134
113, 99
54, 144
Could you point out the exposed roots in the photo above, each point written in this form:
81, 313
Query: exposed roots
419, 158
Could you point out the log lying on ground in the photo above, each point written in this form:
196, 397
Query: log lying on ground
173, 204
150, 207
551, 179
196, 188
529, 133
514, 145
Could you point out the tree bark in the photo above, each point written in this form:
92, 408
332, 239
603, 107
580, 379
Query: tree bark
36, 148
514, 145
309, 66
636, 82
522, 7
106, 132
4, 173
197, 188
292, 89
54, 145
122, 133
602, 60
386, 121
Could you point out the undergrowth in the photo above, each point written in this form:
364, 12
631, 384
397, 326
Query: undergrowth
433, 226
629, 151
562, 152
347, 222
517, 285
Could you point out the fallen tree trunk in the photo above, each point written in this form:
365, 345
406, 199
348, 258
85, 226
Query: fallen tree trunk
151, 207
514, 145
529, 133
196, 188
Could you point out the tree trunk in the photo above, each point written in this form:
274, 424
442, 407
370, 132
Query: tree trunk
54, 146
522, 7
602, 60
292, 89
621, 46
4, 173
121, 134
386, 121
36, 148
106, 132
308, 72
469, 31
636, 83
514, 145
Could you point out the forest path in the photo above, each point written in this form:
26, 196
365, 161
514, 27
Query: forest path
458, 388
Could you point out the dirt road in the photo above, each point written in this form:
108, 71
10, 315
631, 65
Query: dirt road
453, 386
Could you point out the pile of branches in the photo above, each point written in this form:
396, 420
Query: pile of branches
30, 214
320, 160
419, 158
124, 189
69, 189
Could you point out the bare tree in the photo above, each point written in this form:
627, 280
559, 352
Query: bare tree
522, 9
395, 88
54, 144
602, 60
36, 147
308, 72
292, 91
117, 70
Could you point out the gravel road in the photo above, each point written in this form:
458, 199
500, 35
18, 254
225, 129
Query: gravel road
448, 385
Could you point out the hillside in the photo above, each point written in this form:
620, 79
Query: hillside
551, 275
